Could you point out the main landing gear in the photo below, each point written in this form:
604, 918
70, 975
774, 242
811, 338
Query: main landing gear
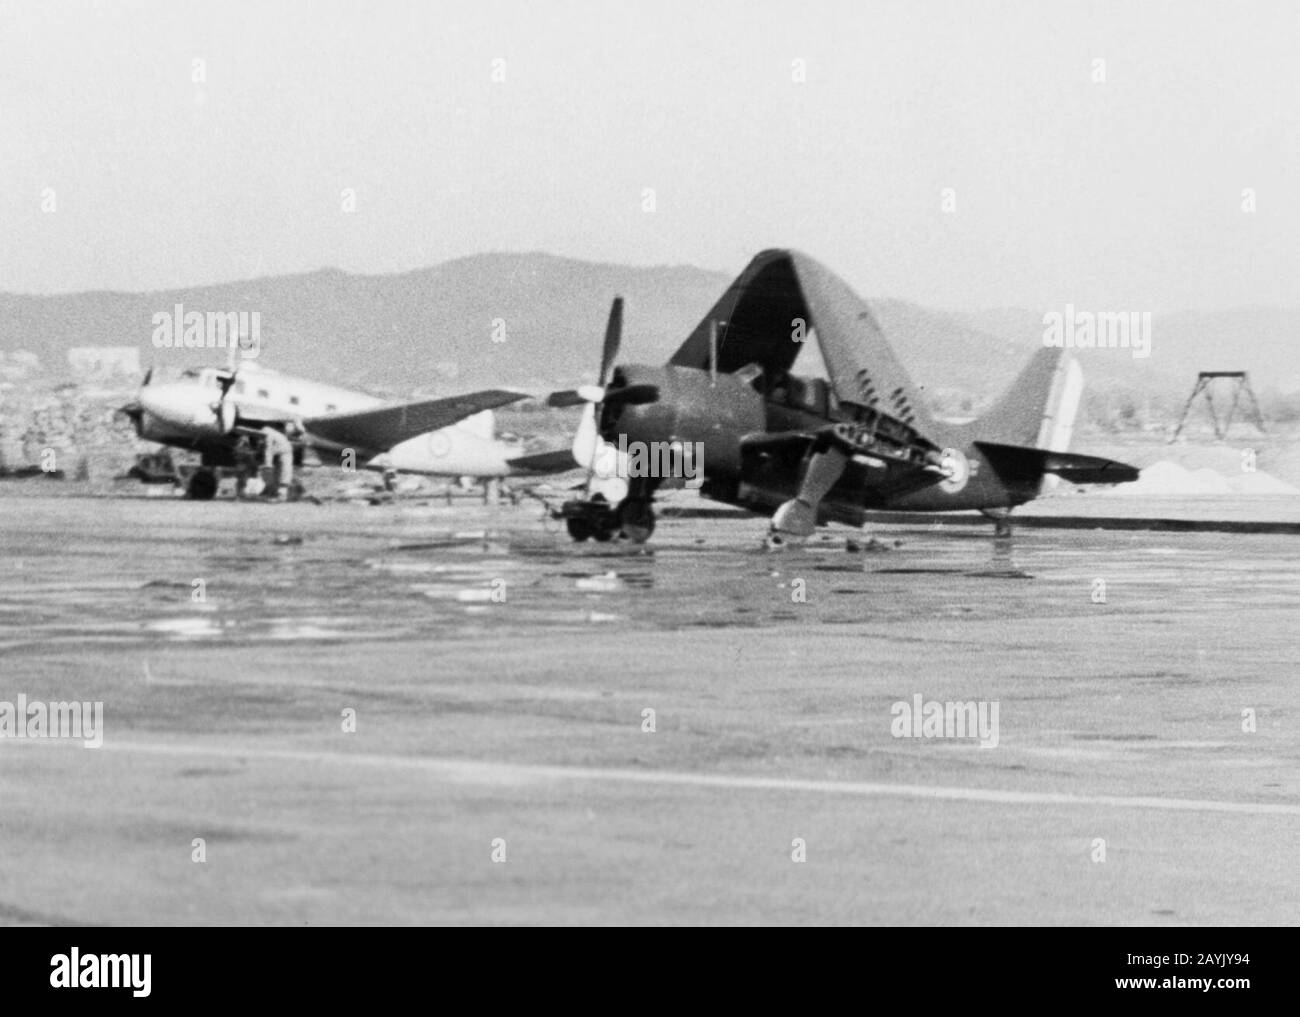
593, 519
202, 485
1001, 522
596, 519
638, 519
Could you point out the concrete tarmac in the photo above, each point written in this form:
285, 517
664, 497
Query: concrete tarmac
1145, 769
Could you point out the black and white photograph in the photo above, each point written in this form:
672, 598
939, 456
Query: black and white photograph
485, 463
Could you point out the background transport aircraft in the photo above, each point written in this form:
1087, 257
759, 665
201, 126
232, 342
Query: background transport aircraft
237, 417
807, 450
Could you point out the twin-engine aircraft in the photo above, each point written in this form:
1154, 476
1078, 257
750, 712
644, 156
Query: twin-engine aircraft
241, 414
803, 450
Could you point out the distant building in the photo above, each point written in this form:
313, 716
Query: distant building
101, 363
19, 364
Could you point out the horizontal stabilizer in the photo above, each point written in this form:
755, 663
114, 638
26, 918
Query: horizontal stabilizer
559, 461
1015, 463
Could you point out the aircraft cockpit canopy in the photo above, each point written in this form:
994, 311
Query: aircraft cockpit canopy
206, 377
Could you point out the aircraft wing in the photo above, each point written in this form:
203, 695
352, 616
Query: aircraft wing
790, 447
783, 294
821, 459
371, 432
780, 442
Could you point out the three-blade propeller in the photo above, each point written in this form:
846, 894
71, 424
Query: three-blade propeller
602, 394
133, 410
226, 411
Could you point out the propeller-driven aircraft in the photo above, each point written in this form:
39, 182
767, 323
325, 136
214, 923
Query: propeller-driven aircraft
243, 413
805, 450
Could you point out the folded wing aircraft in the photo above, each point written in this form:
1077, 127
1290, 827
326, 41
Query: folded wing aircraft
808, 450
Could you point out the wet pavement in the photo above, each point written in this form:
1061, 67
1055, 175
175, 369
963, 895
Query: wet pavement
500, 678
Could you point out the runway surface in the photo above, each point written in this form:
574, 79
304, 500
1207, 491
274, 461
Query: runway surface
500, 676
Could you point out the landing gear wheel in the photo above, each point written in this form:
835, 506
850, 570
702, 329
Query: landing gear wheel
202, 486
579, 529
591, 519
637, 519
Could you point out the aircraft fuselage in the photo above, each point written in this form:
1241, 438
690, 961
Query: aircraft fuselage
725, 412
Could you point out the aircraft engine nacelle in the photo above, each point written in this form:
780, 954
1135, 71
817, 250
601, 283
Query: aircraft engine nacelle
184, 411
692, 406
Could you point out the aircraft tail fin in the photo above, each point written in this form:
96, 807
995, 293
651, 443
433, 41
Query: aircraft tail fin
1039, 408
1026, 436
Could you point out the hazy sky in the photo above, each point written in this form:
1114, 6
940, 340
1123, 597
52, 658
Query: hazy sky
1117, 194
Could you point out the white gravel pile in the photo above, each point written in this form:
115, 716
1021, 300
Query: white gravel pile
1164, 479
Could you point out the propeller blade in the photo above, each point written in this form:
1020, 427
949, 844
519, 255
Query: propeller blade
630, 395
613, 337
227, 416
576, 396
133, 411
227, 412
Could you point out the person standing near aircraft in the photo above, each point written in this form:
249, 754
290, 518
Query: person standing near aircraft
277, 456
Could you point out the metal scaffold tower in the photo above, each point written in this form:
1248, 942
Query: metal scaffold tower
1205, 382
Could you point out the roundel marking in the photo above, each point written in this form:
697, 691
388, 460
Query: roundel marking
956, 468
439, 444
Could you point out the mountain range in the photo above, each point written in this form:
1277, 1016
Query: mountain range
536, 320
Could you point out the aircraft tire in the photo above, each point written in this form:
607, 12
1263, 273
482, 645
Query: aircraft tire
637, 519
202, 486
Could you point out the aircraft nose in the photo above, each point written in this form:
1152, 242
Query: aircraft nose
639, 423
177, 405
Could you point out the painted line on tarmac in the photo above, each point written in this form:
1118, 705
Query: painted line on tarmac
475, 772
